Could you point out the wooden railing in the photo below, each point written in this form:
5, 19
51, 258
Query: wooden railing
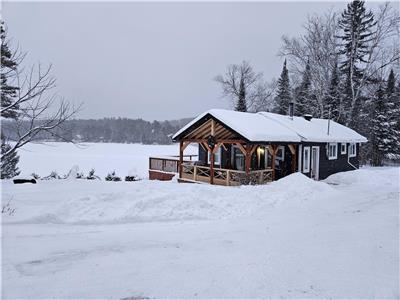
168, 164
225, 176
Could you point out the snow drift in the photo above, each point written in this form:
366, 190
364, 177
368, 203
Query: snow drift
82, 202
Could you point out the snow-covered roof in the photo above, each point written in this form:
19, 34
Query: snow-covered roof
270, 127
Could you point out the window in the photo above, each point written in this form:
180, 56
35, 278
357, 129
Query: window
217, 156
343, 148
332, 150
306, 160
280, 155
352, 150
237, 158
299, 158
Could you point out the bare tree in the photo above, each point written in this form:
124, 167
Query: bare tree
318, 46
264, 96
35, 106
240, 84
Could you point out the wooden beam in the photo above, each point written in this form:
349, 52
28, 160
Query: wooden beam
203, 129
292, 149
216, 147
212, 127
206, 147
185, 144
270, 150
180, 158
247, 162
252, 149
212, 155
241, 148
274, 151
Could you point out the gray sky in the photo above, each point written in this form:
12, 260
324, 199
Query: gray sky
152, 60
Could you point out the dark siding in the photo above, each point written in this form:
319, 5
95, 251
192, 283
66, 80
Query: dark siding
328, 167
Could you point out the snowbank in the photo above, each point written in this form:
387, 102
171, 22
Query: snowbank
86, 202
294, 238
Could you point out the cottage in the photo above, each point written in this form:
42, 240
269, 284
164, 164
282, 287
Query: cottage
254, 148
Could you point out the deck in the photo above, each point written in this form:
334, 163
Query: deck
226, 177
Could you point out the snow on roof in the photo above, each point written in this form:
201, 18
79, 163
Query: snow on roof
270, 127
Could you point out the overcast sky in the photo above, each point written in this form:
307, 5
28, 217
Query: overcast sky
152, 60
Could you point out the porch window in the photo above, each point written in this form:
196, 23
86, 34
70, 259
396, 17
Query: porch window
306, 160
217, 157
267, 158
238, 159
343, 148
332, 151
281, 153
352, 150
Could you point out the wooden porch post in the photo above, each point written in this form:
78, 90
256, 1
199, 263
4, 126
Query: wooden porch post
247, 160
212, 166
273, 147
180, 158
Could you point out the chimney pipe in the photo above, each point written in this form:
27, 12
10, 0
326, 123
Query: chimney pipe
291, 110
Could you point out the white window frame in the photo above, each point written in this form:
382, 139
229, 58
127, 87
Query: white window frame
282, 157
341, 148
217, 158
333, 155
299, 158
306, 164
352, 147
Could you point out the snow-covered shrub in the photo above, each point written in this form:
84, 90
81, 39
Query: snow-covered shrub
112, 177
35, 176
131, 178
53, 175
91, 175
73, 173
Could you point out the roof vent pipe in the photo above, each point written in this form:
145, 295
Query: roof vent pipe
291, 110
307, 117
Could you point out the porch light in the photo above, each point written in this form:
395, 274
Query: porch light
260, 150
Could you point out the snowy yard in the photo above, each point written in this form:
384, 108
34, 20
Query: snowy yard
294, 238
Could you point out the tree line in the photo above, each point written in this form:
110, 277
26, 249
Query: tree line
107, 130
345, 66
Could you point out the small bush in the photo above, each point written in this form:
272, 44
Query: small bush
91, 175
53, 175
35, 176
112, 177
132, 178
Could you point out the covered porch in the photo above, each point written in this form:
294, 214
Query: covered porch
228, 158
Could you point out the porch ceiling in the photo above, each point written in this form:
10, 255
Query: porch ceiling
205, 130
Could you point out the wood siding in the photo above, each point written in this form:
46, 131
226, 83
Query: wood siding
328, 167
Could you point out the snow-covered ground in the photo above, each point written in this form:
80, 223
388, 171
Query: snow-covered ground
294, 238
124, 159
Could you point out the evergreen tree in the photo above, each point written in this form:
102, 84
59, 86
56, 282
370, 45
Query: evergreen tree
304, 103
357, 25
8, 163
8, 64
393, 117
283, 97
241, 104
332, 100
380, 128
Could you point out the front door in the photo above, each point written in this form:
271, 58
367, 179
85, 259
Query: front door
315, 163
